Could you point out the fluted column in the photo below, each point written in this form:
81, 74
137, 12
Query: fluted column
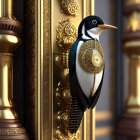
10, 126
129, 123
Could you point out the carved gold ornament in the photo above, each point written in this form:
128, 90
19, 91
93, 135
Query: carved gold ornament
63, 99
66, 34
133, 22
70, 7
91, 57
61, 136
61, 60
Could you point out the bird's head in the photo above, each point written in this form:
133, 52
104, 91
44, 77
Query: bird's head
92, 26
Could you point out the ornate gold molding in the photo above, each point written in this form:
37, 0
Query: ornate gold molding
70, 7
12, 132
66, 34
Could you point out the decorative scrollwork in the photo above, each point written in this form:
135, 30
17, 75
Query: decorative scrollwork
63, 99
66, 34
91, 56
70, 7
12, 132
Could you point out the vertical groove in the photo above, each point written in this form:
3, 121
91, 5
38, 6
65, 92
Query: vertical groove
92, 7
93, 123
51, 70
84, 118
93, 127
84, 9
39, 72
84, 126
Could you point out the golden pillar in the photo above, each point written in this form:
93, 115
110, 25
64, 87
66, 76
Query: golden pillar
10, 126
129, 124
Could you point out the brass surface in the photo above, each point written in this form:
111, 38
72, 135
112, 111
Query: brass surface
8, 43
70, 7
12, 132
133, 101
6, 87
91, 57
6, 9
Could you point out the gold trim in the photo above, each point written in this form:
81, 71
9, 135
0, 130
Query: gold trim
93, 123
12, 132
84, 118
66, 34
84, 126
39, 68
84, 9
92, 7
51, 70
93, 112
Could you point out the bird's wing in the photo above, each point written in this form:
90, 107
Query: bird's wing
75, 88
72, 57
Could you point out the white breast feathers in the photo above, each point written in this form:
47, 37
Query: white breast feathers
85, 79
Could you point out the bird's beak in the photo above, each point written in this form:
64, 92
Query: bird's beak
106, 26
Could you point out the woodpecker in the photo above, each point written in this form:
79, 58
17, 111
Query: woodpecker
86, 69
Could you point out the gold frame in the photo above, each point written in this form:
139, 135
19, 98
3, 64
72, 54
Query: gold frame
43, 52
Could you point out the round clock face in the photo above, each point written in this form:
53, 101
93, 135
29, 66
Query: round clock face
91, 57
96, 59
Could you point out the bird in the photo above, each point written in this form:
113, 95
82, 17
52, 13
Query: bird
86, 69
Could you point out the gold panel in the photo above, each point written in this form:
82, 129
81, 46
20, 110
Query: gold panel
47, 74
7, 8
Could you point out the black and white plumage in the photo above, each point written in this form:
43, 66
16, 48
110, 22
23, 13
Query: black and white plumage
81, 82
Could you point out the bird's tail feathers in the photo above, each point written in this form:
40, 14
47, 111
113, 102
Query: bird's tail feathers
76, 115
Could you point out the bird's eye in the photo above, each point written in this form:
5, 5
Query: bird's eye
94, 22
